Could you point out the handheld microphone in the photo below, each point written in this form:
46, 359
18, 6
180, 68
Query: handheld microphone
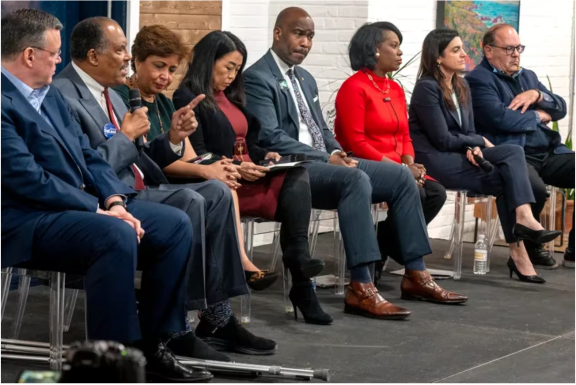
483, 163
135, 103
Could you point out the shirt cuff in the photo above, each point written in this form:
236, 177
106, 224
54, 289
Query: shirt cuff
177, 148
537, 117
335, 151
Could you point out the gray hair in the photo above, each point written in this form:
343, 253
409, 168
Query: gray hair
26, 28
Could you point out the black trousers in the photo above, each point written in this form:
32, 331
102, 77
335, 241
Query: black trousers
550, 169
432, 197
293, 211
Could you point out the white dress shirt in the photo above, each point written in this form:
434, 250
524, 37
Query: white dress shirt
304, 135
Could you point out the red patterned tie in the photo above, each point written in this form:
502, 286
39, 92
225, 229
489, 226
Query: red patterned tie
138, 181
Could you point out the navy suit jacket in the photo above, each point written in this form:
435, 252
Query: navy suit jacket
491, 96
435, 128
273, 105
45, 169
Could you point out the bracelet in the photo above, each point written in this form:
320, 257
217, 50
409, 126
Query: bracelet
539, 95
118, 203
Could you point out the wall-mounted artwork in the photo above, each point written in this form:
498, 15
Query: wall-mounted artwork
472, 18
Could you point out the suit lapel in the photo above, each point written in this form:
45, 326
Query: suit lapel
454, 115
284, 90
87, 100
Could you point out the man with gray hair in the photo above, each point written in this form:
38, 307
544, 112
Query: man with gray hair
64, 209
512, 106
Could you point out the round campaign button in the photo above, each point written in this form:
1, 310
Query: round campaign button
109, 130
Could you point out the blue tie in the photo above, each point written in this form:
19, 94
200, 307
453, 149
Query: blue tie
312, 126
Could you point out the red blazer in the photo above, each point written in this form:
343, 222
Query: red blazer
369, 126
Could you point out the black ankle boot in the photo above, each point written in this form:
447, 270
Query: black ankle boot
307, 268
303, 297
234, 338
188, 345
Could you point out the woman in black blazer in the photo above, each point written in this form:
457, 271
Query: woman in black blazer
228, 131
442, 129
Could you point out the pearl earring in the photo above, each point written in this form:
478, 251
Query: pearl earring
377, 55
438, 64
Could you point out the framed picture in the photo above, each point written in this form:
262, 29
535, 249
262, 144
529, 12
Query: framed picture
472, 19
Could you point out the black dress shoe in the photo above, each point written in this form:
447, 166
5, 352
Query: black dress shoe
303, 297
569, 258
308, 268
522, 232
524, 278
540, 257
234, 338
260, 280
163, 366
188, 345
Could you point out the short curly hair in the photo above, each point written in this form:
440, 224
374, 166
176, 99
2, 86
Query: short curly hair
364, 42
160, 41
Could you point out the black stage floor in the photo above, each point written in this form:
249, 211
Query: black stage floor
508, 332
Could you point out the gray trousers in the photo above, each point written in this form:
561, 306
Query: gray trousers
215, 271
353, 190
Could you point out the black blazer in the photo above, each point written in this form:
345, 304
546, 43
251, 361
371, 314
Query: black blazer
434, 127
215, 133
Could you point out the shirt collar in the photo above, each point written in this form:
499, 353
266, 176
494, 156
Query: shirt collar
94, 87
281, 65
36, 94
498, 71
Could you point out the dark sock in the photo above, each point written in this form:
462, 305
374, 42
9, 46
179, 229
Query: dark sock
218, 314
415, 264
361, 274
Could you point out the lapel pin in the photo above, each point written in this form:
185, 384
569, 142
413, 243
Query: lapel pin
283, 84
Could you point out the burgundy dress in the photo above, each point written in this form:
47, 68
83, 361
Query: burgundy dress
258, 198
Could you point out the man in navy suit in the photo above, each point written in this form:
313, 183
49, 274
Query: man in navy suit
284, 97
512, 106
64, 209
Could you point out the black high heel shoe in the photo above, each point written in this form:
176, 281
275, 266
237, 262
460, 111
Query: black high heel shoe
303, 297
524, 278
260, 280
522, 232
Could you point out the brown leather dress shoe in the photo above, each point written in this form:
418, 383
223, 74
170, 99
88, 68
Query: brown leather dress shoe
363, 299
419, 285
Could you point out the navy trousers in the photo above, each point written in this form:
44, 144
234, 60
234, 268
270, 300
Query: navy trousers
508, 181
353, 190
105, 249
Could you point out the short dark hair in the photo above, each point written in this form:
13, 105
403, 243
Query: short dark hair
207, 51
87, 35
26, 28
489, 37
363, 45
157, 40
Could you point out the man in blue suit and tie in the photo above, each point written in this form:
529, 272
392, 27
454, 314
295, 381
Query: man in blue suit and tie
284, 97
64, 209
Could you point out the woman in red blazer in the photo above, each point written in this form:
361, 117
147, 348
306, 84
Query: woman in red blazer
371, 116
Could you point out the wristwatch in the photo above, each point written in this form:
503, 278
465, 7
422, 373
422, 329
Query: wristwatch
118, 203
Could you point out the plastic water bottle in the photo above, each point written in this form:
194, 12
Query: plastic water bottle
480, 255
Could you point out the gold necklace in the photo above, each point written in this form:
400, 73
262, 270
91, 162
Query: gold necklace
376, 85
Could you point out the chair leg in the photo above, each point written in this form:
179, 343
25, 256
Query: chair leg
86, 316
249, 242
23, 289
448, 254
315, 224
6, 278
57, 281
70, 304
552, 217
459, 236
340, 255
286, 286
488, 230
275, 247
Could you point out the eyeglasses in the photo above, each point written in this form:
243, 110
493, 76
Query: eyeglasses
56, 54
510, 50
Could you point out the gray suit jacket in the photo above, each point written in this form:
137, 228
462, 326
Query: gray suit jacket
119, 151
274, 107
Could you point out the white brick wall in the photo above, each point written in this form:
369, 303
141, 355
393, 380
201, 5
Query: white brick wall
545, 28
